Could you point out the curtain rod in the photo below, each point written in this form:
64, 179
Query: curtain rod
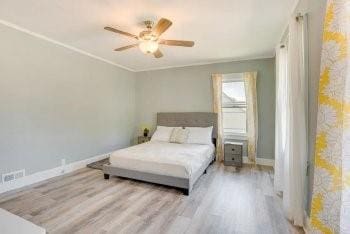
299, 17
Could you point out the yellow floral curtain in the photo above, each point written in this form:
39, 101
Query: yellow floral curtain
330, 209
252, 113
217, 90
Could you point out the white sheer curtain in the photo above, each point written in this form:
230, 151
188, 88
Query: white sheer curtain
217, 95
291, 156
281, 115
296, 151
252, 113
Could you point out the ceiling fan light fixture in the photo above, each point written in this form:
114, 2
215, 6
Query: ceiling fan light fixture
148, 47
149, 40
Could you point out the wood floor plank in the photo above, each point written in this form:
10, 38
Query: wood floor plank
179, 225
225, 200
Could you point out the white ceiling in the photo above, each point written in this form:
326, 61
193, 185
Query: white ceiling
223, 30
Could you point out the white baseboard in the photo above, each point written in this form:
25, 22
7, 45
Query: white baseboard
47, 174
57, 171
307, 224
261, 161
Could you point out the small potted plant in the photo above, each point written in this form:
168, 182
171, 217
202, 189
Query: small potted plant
145, 132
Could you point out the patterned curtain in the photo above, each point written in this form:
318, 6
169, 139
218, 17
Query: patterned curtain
330, 209
252, 113
217, 94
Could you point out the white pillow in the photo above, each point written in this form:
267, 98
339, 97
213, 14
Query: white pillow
162, 134
179, 135
201, 136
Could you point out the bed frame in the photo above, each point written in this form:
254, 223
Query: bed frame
178, 119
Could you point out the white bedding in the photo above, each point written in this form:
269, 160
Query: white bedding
163, 158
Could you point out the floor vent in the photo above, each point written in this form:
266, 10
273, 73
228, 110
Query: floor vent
13, 176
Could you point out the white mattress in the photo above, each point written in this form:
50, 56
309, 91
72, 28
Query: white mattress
163, 158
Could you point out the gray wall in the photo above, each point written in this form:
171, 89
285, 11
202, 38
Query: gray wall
316, 10
56, 103
190, 89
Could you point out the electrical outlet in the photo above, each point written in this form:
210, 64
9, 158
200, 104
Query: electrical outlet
19, 174
63, 165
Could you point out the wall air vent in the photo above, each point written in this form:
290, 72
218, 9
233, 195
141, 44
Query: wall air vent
13, 176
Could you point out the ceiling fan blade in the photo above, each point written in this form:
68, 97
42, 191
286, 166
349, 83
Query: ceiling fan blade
120, 32
126, 47
162, 25
177, 43
158, 54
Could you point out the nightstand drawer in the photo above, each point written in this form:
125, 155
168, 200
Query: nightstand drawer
233, 160
233, 149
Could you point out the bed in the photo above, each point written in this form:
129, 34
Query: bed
171, 164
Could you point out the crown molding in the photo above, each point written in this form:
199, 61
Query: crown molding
80, 51
272, 55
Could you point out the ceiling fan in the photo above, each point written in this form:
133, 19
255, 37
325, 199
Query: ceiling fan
148, 40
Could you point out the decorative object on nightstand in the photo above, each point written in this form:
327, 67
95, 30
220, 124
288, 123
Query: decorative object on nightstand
233, 153
145, 132
143, 139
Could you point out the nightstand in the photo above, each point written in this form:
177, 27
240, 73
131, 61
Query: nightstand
233, 152
142, 139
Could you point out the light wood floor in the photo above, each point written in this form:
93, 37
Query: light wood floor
223, 201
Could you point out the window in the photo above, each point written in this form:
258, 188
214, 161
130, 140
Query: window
234, 105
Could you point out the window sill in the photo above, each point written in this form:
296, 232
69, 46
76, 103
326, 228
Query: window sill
242, 137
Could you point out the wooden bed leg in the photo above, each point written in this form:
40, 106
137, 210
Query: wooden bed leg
186, 192
106, 176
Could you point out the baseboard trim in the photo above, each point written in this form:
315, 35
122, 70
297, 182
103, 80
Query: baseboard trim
307, 224
50, 173
261, 161
57, 171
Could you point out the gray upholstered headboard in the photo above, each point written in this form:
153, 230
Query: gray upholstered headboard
188, 119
